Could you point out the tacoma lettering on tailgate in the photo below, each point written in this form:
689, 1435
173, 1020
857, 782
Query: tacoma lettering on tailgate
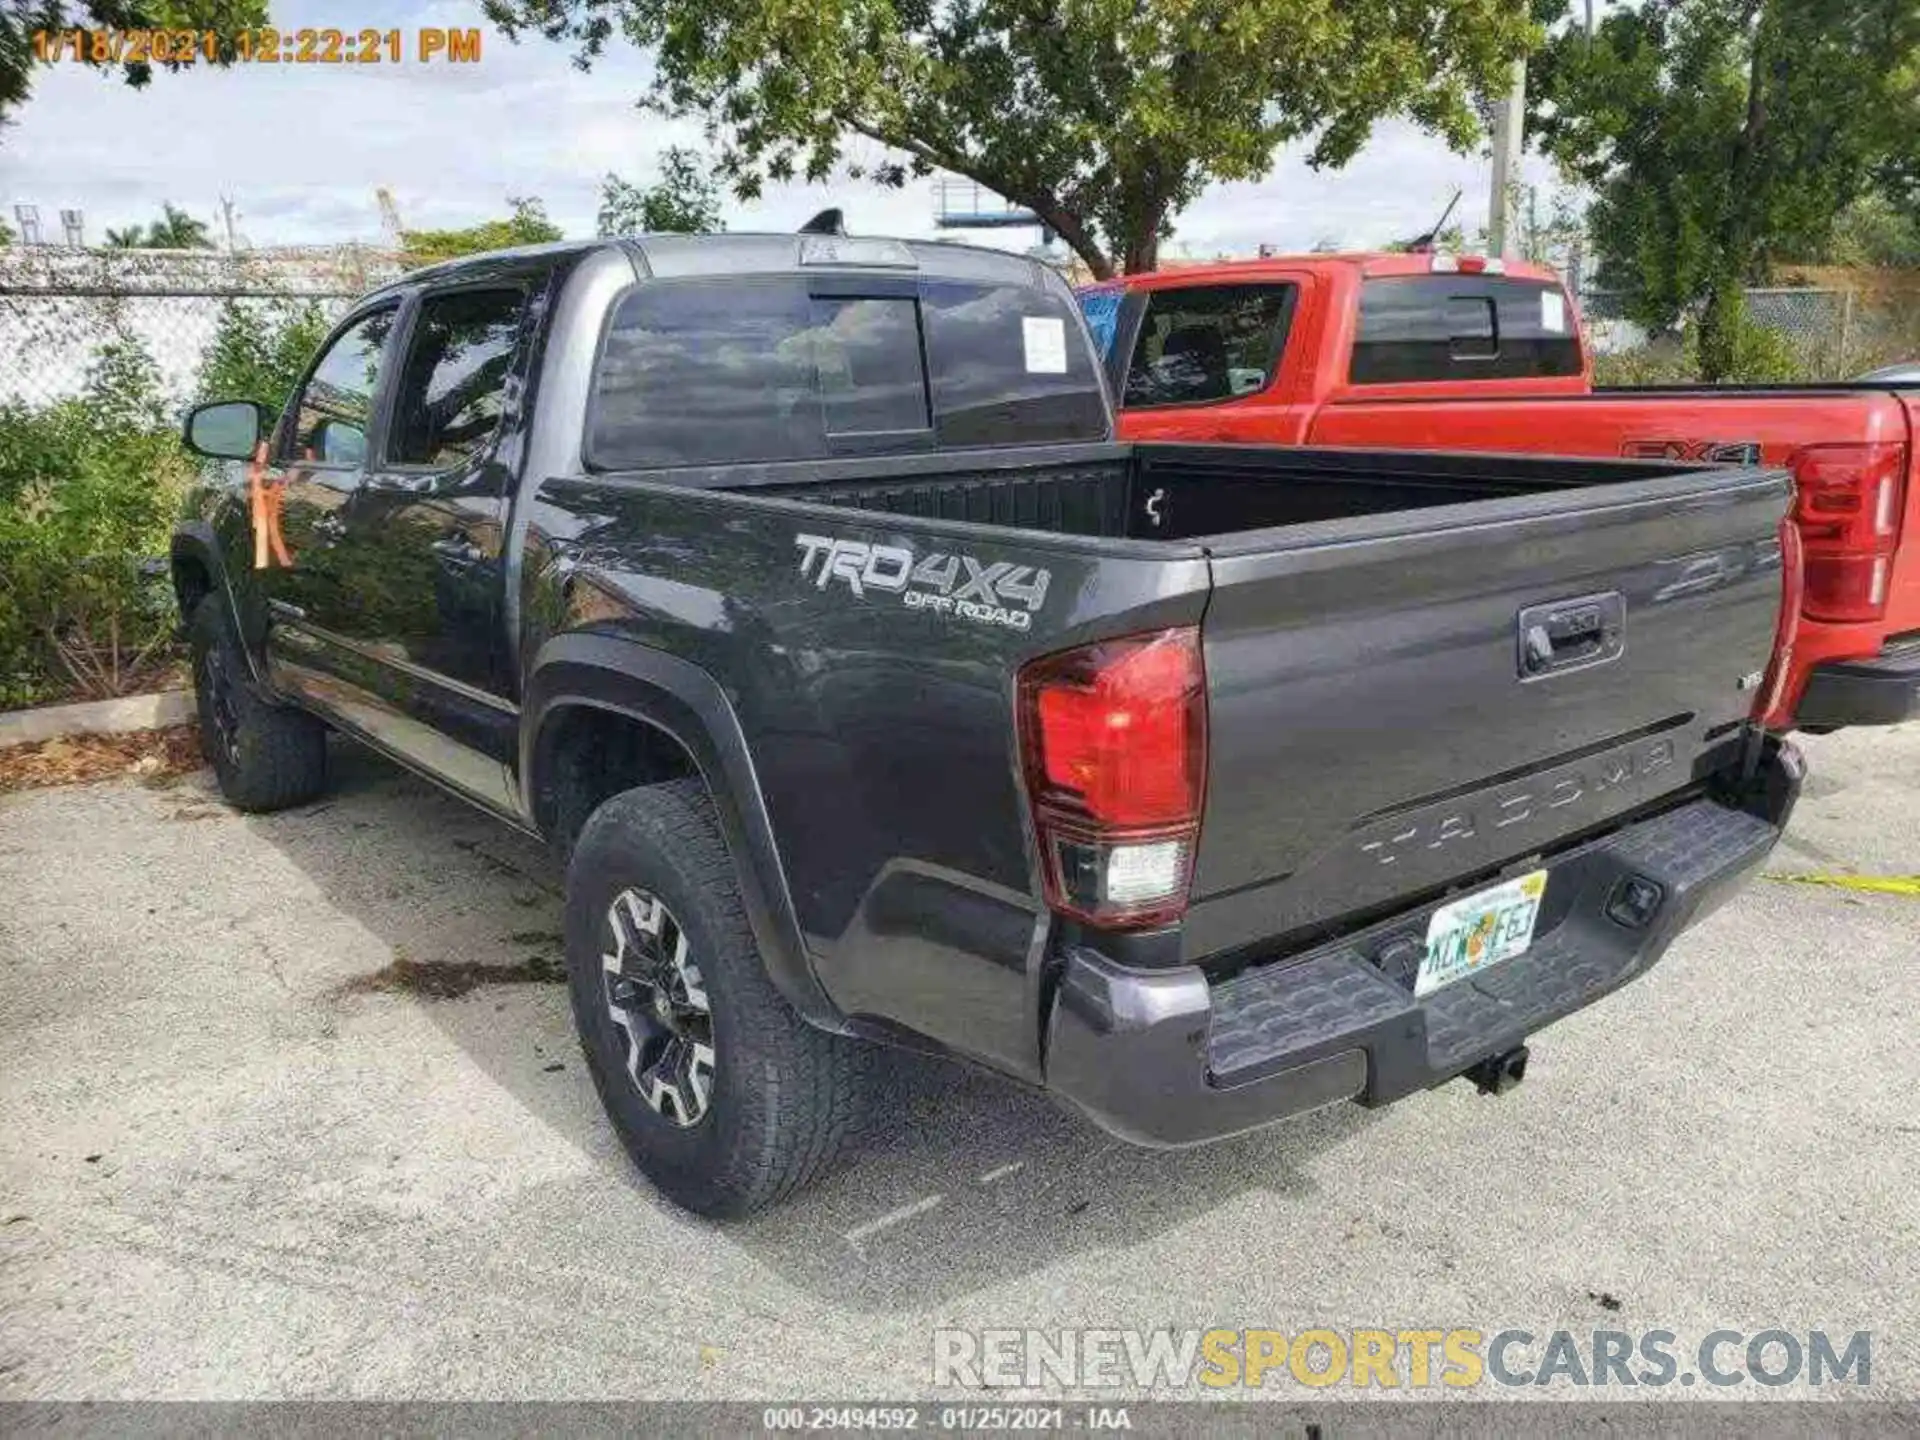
1585, 787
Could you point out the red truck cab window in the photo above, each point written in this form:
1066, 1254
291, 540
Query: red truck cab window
1197, 346
1462, 327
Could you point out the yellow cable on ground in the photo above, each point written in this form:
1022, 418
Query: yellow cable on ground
1876, 884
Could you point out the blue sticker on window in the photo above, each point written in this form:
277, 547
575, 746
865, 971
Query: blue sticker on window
1102, 309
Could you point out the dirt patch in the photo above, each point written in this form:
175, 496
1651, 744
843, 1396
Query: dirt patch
156, 757
450, 979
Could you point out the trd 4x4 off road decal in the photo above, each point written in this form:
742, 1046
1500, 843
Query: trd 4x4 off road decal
1000, 593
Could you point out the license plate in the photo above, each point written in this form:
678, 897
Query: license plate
1472, 934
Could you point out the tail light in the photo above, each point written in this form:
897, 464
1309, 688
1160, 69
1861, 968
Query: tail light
1113, 738
1773, 710
1848, 511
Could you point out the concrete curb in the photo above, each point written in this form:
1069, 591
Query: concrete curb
97, 717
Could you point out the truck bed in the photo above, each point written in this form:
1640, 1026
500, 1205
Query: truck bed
1181, 492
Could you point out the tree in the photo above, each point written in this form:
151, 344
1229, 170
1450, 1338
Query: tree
527, 225
1104, 117
1874, 231
1718, 135
684, 200
21, 20
174, 230
260, 351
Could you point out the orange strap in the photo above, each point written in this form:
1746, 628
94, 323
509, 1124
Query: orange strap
269, 547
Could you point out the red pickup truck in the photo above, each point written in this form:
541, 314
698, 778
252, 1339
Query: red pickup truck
1440, 352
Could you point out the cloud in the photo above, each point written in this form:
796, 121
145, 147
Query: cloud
301, 149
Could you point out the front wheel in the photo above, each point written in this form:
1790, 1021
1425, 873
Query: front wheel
266, 756
726, 1099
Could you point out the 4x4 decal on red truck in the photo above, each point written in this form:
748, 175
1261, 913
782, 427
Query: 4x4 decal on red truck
944, 582
1709, 452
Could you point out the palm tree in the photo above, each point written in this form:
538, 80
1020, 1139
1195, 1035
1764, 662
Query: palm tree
174, 230
177, 230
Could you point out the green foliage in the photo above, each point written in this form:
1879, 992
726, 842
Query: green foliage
1759, 356
1663, 362
259, 354
19, 19
685, 200
174, 230
1718, 135
1874, 232
1104, 117
527, 225
88, 489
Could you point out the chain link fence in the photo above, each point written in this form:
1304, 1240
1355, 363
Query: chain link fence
1829, 333
58, 306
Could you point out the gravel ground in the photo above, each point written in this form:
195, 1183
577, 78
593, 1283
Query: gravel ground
243, 1155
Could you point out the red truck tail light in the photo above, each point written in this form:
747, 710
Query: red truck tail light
1113, 739
1848, 511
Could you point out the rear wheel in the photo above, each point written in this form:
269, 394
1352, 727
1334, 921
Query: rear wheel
726, 1099
266, 756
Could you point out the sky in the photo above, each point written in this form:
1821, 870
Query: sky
300, 150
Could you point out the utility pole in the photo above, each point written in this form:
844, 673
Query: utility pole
1509, 125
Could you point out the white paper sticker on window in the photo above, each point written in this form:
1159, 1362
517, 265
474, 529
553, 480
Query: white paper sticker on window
1046, 342
1553, 312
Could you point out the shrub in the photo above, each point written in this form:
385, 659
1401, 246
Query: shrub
1660, 362
1760, 356
259, 352
89, 488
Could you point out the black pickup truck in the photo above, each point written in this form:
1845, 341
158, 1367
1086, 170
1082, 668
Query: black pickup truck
794, 589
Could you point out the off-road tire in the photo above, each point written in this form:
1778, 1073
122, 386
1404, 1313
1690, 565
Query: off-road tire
784, 1097
266, 756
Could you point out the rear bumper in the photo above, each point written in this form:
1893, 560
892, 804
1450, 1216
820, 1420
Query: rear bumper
1162, 1057
1882, 691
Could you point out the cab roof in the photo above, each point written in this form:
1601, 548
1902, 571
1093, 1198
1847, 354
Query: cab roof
1370, 264
680, 256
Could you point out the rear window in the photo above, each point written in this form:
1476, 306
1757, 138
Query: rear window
1010, 367
717, 372
1206, 343
1462, 327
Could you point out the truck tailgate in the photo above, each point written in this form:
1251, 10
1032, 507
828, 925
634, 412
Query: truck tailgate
1411, 702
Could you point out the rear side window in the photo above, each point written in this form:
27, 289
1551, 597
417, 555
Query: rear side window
705, 372
1207, 343
1462, 327
455, 379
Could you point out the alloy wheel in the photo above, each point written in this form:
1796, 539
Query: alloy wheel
657, 997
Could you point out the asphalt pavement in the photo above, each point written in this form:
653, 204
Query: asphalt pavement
291, 1107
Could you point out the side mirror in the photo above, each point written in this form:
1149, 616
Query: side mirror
339, 442
226, 429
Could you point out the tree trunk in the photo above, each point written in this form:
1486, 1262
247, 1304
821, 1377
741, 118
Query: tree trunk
1143, 251
1071, 228
1724, 314
1721, 320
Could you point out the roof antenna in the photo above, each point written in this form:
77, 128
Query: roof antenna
1422, 244
832, 222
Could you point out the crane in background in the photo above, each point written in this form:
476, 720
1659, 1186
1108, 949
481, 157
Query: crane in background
389, 216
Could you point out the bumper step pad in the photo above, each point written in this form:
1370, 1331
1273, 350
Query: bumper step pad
1333, 999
